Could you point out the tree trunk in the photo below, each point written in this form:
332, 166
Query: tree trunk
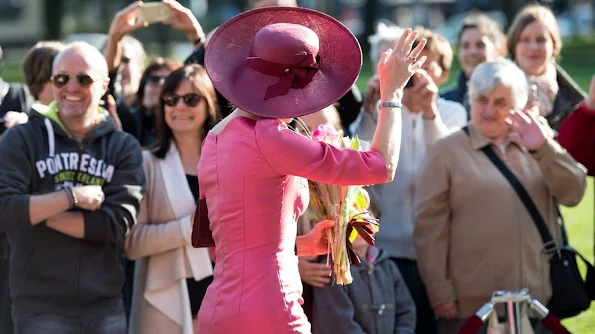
509, 8
54, 10
370, 17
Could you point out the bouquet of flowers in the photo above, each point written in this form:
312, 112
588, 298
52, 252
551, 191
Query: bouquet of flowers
347, 206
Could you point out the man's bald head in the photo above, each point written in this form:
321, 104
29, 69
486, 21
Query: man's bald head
88, 53
80, 78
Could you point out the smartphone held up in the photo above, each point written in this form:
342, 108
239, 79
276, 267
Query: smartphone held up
153, 12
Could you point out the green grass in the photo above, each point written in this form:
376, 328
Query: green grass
579, 222
12, 72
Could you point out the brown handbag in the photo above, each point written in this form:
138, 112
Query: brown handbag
202, 237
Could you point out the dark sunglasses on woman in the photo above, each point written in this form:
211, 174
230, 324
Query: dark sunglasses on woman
191, 100
84, 80
156, 79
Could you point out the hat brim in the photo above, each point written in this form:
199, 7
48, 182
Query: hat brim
227, 65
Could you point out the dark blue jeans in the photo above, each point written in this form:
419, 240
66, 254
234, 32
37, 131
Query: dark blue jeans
110, 320
5, 302
426, 321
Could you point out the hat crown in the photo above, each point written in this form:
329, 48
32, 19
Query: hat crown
283, 62
281, 42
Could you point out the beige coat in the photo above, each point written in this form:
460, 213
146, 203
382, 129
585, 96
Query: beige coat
160, 244
473, 235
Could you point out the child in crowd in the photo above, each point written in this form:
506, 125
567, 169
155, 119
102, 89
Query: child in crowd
376, 302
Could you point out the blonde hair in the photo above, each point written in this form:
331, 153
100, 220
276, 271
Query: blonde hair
528, 15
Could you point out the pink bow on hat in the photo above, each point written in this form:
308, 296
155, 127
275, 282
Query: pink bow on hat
292, 76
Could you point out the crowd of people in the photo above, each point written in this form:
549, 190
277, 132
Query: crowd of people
99, 183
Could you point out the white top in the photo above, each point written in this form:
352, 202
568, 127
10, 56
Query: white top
397, 200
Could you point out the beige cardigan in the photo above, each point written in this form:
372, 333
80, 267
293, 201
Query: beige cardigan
160, 242
473, 235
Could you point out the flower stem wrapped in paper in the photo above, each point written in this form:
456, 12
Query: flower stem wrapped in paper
347, 206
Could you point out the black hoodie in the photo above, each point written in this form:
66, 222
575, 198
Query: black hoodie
49, 271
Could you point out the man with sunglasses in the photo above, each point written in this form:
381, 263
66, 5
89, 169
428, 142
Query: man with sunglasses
70, 189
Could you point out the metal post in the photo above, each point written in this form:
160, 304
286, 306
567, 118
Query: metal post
538, 309
485, 311
513, 315
517, 306
513, 301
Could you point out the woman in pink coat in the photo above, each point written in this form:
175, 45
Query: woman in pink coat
275, 64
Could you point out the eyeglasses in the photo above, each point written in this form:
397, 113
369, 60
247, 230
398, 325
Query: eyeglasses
155, 79
84, 80
191, 100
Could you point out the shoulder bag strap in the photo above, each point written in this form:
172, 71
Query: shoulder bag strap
546, 237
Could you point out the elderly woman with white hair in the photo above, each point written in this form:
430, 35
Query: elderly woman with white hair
473, 235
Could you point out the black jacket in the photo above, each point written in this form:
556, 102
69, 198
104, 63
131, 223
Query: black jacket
570, 95
13, 97
49, 271
458, 93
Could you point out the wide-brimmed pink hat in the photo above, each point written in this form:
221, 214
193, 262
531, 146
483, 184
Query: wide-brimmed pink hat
283, 62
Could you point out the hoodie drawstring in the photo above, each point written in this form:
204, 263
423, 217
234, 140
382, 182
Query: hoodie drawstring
51, 138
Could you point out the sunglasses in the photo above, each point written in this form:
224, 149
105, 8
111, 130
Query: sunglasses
84, 80
155, 79
191, 100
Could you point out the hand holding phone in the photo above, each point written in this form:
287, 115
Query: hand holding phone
153, 12
125, 21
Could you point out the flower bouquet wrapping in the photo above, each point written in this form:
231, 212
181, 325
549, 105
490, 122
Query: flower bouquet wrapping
347, 206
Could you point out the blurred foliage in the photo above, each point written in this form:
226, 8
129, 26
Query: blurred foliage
578, 59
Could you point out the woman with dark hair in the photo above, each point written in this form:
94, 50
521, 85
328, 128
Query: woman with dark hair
37, 68
167, 265
142, 125
140, 122
479, 40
